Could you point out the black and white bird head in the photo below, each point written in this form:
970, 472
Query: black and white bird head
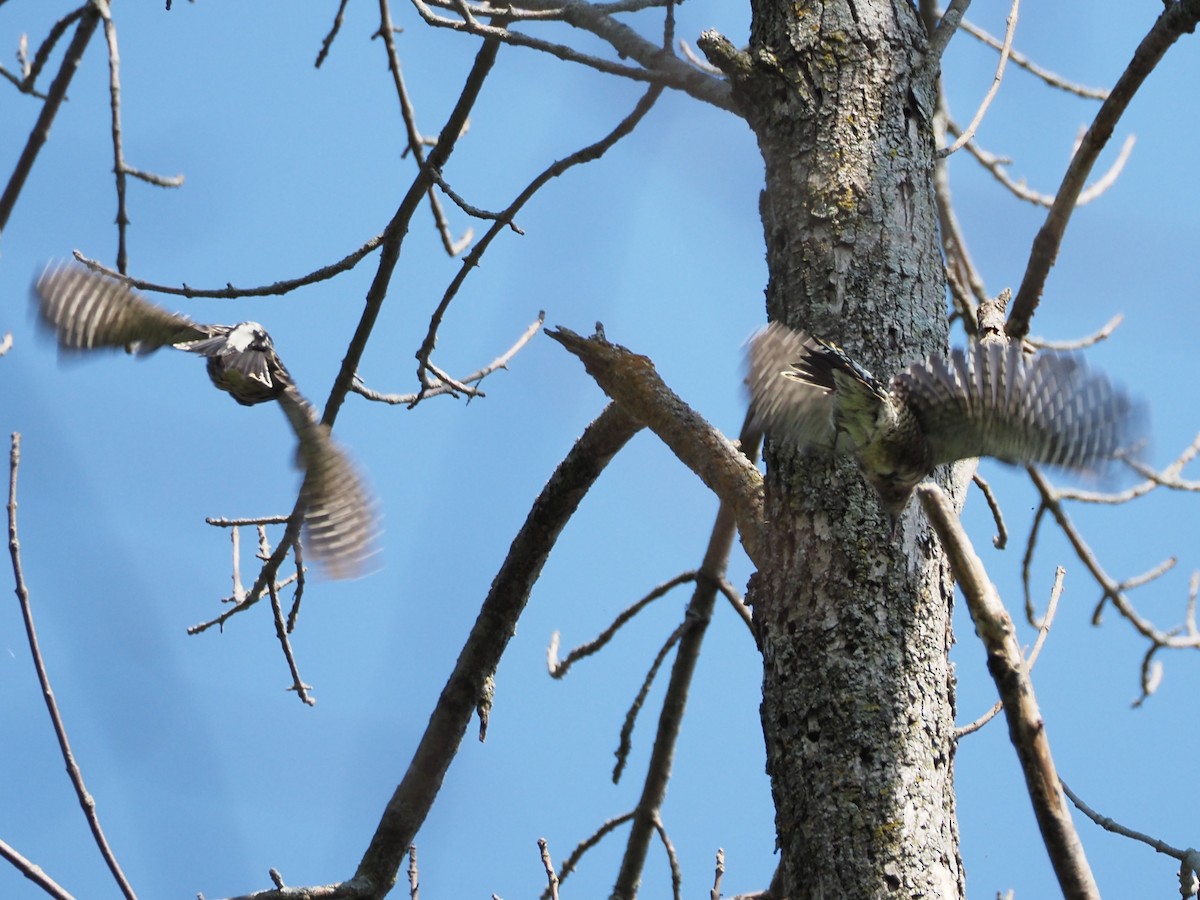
88, 311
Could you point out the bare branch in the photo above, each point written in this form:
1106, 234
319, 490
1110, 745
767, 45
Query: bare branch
1026, 727
656, 65
416, 142
86, 802
715, 893
398, 227
481, 654
445, 387
1000, 541
1010, 28
1020, 59
551, 878
559, 669
630, 379
89, 18
281, 633
338, 18
1080, 343
584, 155
995, 165
1176, 19
230, 292
939, 40
34, 873
691, 632
1188, 857
672, 858
1031, 659
626, 741
587, 844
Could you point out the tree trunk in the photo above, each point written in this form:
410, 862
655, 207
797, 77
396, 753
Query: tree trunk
858, 694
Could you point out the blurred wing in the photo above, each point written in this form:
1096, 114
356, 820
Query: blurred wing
992, 400
788, 397
88, 310
339, 520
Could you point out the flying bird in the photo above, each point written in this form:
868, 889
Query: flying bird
89, 311
988, 400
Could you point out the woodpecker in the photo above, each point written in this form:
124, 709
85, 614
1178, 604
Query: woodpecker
988, 400
88, 311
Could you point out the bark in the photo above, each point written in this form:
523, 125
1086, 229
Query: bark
858, 694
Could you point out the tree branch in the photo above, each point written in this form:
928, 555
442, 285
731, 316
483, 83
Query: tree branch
88, 21
1026, 727
630, 379
481, 654
86, 800
1177, 19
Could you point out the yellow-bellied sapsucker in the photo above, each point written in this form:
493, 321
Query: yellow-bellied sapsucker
988, 400
89, 311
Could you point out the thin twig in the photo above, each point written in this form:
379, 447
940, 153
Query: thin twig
1031, 660
1020, 59
625, 743
416, 143
34, 873
715, 893
1090, 340
229, 292
338, 19
86, 802
500, 362
1189, 855
559, 669
692, 630
672, 858
414, 881
471, 260
1000, 541
281, 632
1009, 30
569, 864
995, 165
1026, 726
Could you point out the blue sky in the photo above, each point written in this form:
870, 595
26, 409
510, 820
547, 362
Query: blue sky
204, 770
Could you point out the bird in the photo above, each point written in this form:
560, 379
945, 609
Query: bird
90, 311
990, 399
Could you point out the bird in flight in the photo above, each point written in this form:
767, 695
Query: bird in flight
89, 311
988, 400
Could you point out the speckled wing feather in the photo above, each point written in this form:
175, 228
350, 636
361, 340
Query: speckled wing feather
88, 311
993, 400
339, 520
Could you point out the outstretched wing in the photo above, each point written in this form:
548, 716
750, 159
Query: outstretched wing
993, 400
339, 520
88, 310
